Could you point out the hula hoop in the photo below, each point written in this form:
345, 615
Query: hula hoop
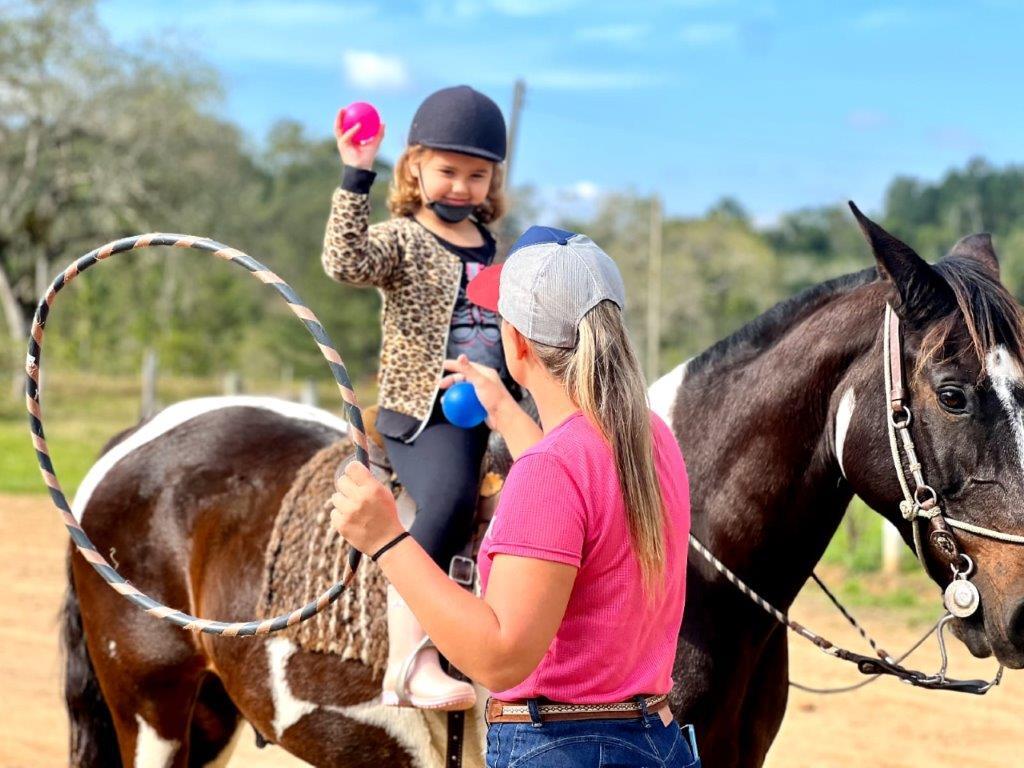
88, 550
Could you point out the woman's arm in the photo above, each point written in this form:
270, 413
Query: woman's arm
498, 640
504, 414
516, 426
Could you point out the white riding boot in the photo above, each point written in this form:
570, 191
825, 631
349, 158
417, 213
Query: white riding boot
413, 677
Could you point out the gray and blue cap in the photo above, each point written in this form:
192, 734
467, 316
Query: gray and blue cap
549, 281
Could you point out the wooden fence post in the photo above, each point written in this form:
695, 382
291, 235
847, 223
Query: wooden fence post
148, 403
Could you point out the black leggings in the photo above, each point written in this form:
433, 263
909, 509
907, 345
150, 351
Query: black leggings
441, 470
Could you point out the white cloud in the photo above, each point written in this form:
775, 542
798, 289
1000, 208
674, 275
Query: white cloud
365, 69
441, 11
577, 201
708, 34
692, 3
956, 139
590, 80
585, 190
866, 119
881, 18
532, 7
767, 219
613, 33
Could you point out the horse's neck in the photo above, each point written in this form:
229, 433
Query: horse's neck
766, 488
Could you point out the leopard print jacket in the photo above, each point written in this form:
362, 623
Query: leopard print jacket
418, 279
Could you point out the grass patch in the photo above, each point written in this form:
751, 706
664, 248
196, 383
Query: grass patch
82, 411
74, 446
911, 595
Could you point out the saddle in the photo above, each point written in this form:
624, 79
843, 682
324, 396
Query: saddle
304, 555
494, 468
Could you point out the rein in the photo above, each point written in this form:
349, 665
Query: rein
961, 598
35, 416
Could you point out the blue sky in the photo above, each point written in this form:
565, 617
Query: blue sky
779, 104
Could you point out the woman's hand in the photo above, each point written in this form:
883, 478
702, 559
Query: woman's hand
356, 155
364, 510
490, 390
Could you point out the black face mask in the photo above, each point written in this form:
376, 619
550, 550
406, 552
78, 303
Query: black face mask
451, 214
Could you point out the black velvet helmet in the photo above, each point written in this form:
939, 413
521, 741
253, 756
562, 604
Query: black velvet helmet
460, 119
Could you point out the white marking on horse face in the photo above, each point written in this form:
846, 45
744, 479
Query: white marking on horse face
1004, 373
152, 751
843, 416
112, 648
288, 708
176, 415
662, 393
221, 760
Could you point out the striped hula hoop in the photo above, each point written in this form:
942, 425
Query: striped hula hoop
84, 545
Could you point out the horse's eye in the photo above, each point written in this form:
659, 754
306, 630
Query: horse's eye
953, 400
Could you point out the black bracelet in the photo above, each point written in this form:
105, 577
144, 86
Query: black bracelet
388, 546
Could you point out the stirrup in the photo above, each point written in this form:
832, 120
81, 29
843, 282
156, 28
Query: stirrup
401, 696
402, 683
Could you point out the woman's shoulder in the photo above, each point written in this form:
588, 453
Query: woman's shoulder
571, 444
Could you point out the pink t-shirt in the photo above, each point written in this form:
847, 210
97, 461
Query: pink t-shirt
562, 502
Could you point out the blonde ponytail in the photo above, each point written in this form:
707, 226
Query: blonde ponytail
602, 376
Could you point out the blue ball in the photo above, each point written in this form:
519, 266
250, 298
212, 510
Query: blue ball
462, 407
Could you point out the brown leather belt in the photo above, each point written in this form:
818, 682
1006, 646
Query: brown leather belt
519, 712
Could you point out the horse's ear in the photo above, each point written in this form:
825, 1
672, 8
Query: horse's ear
979, 248
920, 293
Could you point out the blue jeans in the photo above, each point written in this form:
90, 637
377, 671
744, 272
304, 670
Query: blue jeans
644, 741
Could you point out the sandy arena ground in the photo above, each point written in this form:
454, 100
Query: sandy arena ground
886, 724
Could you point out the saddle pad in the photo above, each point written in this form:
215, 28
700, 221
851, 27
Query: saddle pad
305, 555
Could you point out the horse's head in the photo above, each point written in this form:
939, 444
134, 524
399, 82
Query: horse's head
961, 345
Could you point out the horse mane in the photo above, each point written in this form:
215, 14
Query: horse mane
989, 311
761, 332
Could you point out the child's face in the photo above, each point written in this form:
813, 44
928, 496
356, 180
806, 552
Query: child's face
454, 178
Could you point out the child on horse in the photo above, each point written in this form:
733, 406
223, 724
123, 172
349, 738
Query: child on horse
447, 187
584, 565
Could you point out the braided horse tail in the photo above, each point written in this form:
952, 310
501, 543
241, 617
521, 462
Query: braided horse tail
92, 740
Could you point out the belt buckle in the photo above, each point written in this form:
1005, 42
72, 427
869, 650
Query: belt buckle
461, 570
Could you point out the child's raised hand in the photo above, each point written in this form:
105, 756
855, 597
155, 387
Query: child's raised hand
353, 154
490, 390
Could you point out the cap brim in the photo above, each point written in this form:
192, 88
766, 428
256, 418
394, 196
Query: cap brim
483, 289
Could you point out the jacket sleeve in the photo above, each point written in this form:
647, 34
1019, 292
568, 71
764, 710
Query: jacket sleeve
355, 252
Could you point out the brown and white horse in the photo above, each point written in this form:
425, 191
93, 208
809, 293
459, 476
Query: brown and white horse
780, 425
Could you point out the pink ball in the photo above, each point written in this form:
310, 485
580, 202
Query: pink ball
363, 113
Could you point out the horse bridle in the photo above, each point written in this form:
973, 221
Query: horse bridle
920, 503
961, 598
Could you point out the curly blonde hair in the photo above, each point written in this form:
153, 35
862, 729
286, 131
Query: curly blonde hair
404, 197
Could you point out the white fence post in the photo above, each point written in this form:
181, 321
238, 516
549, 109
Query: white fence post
148, 405
232, 383
892, 548
308, 394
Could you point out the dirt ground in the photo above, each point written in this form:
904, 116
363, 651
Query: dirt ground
886, 724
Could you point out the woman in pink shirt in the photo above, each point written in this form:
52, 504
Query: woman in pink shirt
583, 569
